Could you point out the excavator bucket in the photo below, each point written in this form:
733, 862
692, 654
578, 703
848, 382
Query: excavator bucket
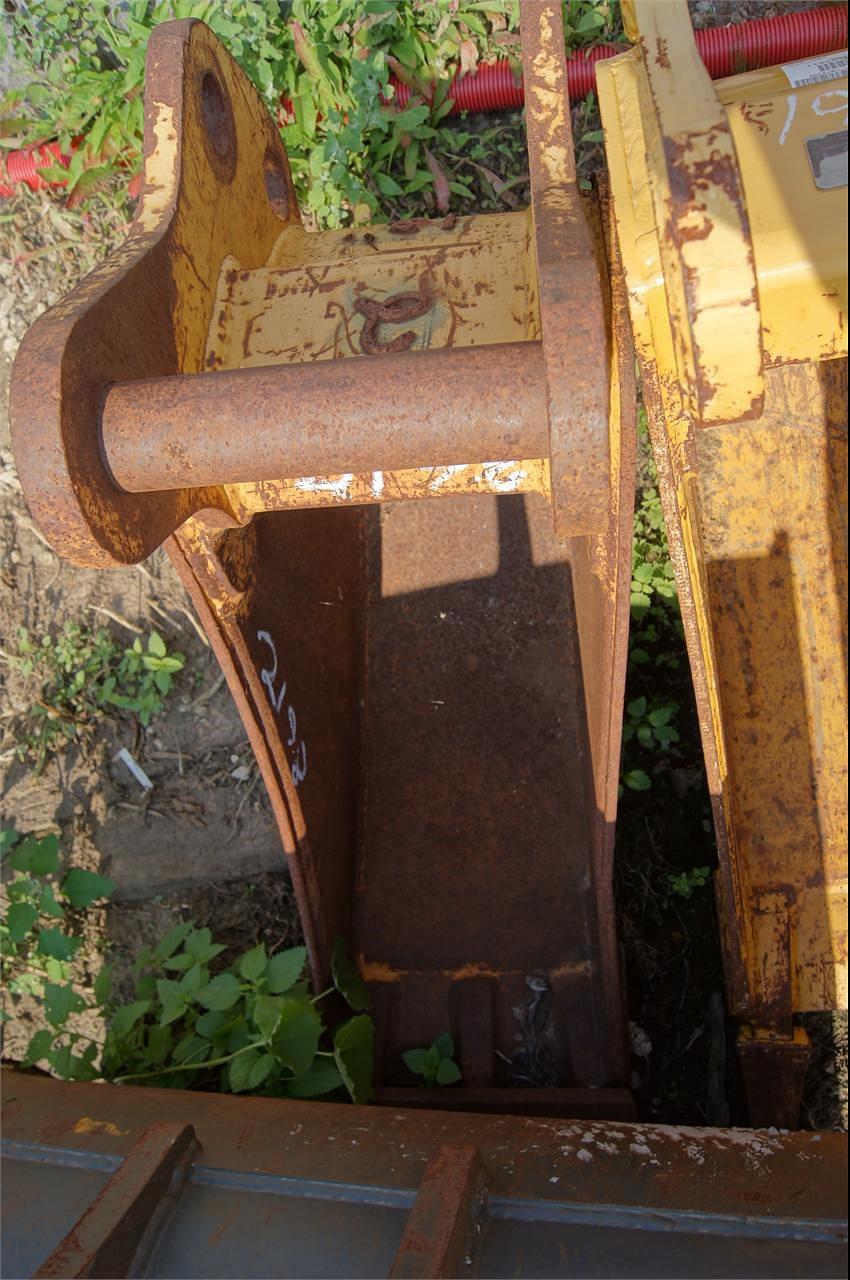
400, 496
730, 202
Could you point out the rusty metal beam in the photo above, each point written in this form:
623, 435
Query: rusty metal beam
105, 1240
575, 338
416, 409
440, 1235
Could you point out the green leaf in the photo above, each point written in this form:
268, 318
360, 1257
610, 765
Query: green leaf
172, 940
296, 1038
253, 964
168, 990
20, 919
56, 970
285, 968
60, 1060
47, 904
193, 979
82, 888
415, 1060
59, 1003
124, 1019
8, 838
210, 1023
146, 987
448, 1072
57, 945
103, 985
267, 1010
198, 944
444, 1045
261, 1070
38, 1047
322, 1077
347, 979
40, 857
387, 185
637, 780
191, 1048
239, 1070
159, 1043
637, 709
353, 1043
171, 1011
221, 993
156, 645
661, 716
590, 21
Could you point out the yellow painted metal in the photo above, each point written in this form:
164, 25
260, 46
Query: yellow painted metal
695, 241
756, 508
301, 307
799, 231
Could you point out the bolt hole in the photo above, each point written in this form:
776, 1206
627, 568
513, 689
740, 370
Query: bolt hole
218, 119
277, 187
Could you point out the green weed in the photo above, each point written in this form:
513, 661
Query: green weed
39, 939
685, 883
435, 1065
249, 1027
323, 68
656, 639
81, 674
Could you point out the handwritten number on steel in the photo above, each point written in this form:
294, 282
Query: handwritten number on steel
268, 676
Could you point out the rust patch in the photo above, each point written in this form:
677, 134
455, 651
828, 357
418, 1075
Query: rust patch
407, 226
393, 310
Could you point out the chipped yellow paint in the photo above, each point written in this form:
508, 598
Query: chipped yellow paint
668, 134
799, 231
160, 189
756, 509
86, 1124
301, 306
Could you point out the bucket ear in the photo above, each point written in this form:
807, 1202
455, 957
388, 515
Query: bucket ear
216, 186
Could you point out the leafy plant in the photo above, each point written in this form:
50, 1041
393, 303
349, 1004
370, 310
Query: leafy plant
650, 725
81, 674
250, 1027
39, 941
323, 68
435, 1065
656, 639
685, 883
145, 675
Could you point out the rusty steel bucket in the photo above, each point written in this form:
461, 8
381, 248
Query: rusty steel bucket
394, 467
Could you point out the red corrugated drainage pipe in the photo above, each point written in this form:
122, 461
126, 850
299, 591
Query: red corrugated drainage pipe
761, 42
21, 168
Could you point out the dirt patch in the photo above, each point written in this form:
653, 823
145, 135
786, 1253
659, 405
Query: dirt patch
202, 843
